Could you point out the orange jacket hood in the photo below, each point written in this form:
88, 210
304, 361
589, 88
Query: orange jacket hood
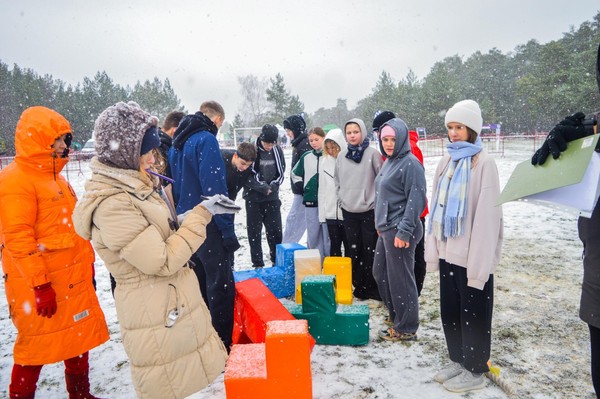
35, 134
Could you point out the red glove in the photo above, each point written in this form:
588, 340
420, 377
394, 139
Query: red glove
45, 300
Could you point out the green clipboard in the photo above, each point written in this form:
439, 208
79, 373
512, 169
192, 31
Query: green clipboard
571, 181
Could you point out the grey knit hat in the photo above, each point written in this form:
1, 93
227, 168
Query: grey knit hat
119, 131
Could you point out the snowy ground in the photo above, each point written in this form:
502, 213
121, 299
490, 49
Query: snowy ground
540, 344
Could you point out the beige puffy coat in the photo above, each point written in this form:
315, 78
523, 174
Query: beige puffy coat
128, 223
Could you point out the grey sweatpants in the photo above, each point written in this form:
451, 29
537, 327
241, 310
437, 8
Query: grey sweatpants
394, 273
295, 223
317, 234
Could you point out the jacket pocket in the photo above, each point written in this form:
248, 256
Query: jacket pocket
172, 309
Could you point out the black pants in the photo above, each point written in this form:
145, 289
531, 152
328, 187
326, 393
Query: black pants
466, 317
362, 239
214, 269
420, 265
337, 238
258, 214
595, 349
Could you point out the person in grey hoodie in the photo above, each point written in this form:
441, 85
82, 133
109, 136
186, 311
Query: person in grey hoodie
400, 197
355, 170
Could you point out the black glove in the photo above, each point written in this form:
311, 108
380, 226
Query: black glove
231, 244
569, 129
274, 187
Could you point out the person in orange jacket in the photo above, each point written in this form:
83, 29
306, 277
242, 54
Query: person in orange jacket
48, 268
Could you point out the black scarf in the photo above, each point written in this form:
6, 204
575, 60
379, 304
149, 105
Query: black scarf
298, 139
191, 124
356, 152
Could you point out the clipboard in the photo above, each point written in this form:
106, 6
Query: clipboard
570, 182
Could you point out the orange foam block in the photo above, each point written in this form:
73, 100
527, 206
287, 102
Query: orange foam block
279, 368
255, 305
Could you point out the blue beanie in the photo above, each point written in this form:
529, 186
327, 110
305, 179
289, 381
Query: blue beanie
150, 141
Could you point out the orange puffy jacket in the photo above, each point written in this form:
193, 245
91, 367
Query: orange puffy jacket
38, 245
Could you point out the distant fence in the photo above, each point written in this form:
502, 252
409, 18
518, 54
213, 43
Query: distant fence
431, 147
436, 147
75, 162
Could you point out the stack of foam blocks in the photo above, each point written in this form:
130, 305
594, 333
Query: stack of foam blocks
330, 323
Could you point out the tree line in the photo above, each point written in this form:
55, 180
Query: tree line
22, 88
526, 90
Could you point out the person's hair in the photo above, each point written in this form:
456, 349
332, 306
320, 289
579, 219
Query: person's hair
335, 145
472, 135
160, 163
212, 108
317, 130
351, 123
247, 152
172, 119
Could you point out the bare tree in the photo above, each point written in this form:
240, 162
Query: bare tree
255, 104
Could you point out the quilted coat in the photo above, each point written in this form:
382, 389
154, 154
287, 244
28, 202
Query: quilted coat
165, 325
38, 245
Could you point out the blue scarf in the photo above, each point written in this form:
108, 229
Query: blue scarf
355, 152
449, 206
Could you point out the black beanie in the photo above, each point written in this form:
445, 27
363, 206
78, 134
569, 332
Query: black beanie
382, 117
296, 124
150, 141
269, 134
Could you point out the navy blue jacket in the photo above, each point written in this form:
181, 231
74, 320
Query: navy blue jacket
198, 168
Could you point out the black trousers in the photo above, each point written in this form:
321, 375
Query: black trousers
595, 349
362, 239
266, 213
337, 238
214, 269
420, 264
466, 317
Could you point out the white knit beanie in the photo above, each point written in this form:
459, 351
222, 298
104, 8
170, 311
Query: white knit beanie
466, 112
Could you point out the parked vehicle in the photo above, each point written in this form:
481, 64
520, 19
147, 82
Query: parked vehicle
89, 147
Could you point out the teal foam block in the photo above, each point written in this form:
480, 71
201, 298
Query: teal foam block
337, 325
318, 293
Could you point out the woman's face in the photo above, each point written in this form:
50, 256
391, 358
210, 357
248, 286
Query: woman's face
388, 143
315, 141
60, 145
147, 160
331, 148
457, 132
353, 135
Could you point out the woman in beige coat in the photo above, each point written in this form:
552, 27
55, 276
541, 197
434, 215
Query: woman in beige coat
165, 325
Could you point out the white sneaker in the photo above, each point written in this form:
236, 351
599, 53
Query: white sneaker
449, 372
465, 381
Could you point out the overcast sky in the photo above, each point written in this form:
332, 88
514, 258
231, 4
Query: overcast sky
325, 49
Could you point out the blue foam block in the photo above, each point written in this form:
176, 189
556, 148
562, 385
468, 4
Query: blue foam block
279, 278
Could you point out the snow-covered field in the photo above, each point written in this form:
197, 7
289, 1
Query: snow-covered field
539, 342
